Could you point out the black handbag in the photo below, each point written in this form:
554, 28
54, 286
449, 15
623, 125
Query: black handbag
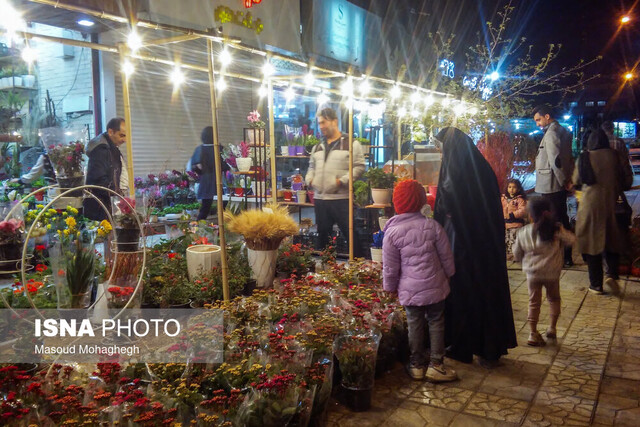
623, 211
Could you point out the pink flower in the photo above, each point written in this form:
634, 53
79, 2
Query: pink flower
171, 187
253, 116
127, 205
10, 226
69, 158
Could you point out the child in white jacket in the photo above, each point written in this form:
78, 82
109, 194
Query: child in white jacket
540, 247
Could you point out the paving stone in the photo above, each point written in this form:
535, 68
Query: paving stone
550, 409
405, 417
497, 407
464, 420
441, 396
436, 416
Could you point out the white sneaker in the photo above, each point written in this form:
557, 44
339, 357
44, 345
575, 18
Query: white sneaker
440, 373
415, 372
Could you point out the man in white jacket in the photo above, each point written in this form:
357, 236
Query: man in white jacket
328, 175
554, 166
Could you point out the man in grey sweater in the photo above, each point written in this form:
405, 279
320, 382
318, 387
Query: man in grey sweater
328, 175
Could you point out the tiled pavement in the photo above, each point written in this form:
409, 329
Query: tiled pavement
590, 376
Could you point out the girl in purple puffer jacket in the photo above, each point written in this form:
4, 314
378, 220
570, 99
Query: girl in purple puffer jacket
417, 263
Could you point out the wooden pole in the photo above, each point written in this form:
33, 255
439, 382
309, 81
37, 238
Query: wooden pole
272, 141
216, 156
351, 179
399, 139
122, 48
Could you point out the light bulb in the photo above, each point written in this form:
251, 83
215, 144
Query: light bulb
365, 87
134, 41
415, 98
309, 80
222, 85
347, 87
395, 92
225, 57
263, 91
28, 55
428, 101
128, 68
267, 69
289, 94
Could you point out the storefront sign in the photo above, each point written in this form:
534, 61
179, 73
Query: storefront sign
250, 3
338, 31
224, 14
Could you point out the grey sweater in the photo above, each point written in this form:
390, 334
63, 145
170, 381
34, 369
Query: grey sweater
541, 260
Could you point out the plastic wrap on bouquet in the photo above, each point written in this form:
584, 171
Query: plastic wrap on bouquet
73, 262
124, 273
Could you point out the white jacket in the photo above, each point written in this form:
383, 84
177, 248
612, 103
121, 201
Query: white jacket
541, 260
328, 164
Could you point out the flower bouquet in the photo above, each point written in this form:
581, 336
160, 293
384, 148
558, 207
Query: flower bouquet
356, 353
67, 162
127, 224
244, 161
11, 237
255, 133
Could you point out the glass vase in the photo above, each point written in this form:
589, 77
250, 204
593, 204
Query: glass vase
73, 261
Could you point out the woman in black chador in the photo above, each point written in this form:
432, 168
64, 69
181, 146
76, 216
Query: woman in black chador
479, 318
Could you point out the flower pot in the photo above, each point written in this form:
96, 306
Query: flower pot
28, 80
376, 254
183, 305
299, 150
153, 218
259, 187
249, 286
382, 221
238, 191
288, 195
302, 196
284, 150
67, 183
381, 196
355, 399
263, 266
201, 259
292, 150
127, 239
365, 148
310, 196
295, 186
244, 163
80, 301
624, 269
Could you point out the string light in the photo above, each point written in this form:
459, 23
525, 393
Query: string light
128, 68
459, 109
473, 111
267, 69
395, 92
402, 112
11, 19
263, 91
365, 87
347, 87
415, 98
323, 98
134, 41
225, 57
29, 55
221, 85
429, 100
289, 94
309, 79
177, 77
494, 76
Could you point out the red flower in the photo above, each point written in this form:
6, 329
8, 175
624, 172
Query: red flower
41, 267
40, 248
172, 255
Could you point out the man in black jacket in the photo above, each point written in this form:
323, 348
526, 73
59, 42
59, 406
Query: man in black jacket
105, 167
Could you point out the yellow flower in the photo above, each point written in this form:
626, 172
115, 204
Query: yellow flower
72, 210
71, 222
66, 232
106, 226
39, 206
48, 226
52, 211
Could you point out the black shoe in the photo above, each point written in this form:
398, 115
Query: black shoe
597, 291
568, 264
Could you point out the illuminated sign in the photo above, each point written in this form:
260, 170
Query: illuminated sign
250, 3
448, 68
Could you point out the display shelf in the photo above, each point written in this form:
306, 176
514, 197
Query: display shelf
292, 157
374, 206
381, 146
245, 173
309, 205
18, 88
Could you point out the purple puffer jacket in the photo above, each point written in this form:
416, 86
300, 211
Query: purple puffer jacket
416, 259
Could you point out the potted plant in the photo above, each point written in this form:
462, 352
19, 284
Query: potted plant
11, 233
78, 258
67, 162
127, 224
381, 184
376, 246
202, 258
263, 231
356, 353
294, 259
238, 186
361, 193
365, 144
310, 142
255, 133
245, 161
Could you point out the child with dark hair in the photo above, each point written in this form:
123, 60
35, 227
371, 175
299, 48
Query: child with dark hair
514, 209
540, 247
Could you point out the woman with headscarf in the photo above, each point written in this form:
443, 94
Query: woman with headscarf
602, 178
479, 318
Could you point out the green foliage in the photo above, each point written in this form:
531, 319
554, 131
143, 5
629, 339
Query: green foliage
380, 179
361, 193
80, 268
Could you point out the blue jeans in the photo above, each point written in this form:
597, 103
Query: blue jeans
417, 318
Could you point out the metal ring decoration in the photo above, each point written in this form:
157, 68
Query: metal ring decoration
84, 188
